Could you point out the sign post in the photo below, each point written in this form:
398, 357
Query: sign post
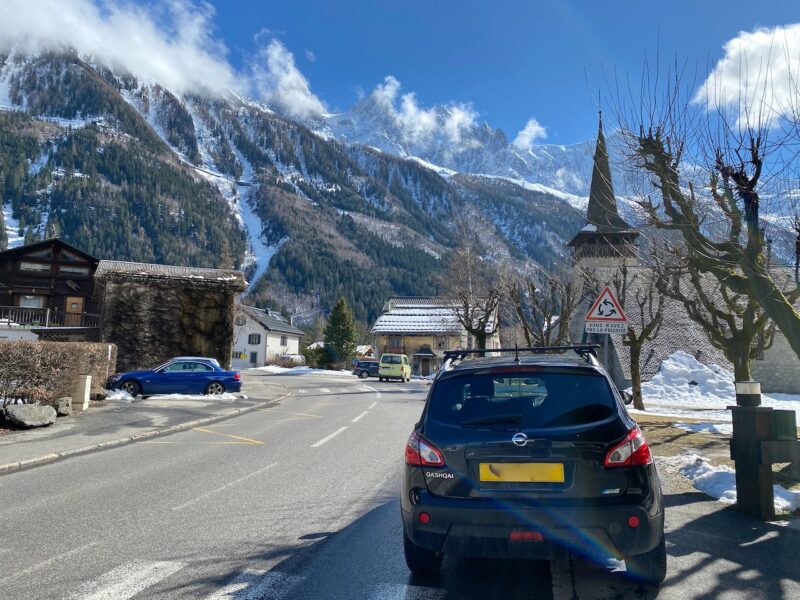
606, 317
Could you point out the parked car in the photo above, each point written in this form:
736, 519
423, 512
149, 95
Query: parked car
394, 366
182, 375
531, 458
366, 368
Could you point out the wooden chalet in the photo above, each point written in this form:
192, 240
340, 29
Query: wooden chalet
48, 284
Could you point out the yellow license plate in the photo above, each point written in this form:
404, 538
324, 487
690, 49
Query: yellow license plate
522, 472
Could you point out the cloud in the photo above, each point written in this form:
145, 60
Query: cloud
170, 42
529, 134
452, 123
278, 81
757, 76
310, 56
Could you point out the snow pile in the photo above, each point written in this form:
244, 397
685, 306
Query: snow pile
276, 370
720, 428
685, 387
720, 483
120, 395
221, 397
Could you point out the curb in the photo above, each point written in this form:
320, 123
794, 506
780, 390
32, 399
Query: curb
48, 458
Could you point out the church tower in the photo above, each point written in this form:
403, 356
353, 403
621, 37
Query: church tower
606, 239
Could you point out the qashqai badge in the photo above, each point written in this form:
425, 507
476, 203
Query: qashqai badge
519, 439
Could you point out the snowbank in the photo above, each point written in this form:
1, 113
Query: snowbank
685, 387
721, 428
122, 396
720, 483
276, 370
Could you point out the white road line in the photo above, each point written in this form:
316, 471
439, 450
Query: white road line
359, 417
301, 391
224, 487
255, 585
128, 580
400, 591
47, 562
325, 390
328, 438
373, 405
377, 393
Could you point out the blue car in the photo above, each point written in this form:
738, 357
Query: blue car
183, 375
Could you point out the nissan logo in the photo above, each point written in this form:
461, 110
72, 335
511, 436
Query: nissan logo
519, 439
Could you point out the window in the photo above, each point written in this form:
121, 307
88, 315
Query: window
71, 256
528, 400
440, 342
390, 359
179, 367
201, 368
395, 341
284, 340
240, 320
254, 339
31, 266
74, 270
254, 358
31, 301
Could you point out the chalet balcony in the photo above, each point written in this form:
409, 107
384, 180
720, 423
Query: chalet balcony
17, 317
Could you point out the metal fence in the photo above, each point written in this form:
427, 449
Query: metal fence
12, 317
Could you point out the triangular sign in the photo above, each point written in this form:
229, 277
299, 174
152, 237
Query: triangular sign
606, 309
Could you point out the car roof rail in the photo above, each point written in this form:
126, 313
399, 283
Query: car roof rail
586, 351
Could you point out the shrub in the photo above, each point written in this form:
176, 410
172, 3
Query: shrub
44, 371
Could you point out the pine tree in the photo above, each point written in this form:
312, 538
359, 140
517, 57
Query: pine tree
341, 334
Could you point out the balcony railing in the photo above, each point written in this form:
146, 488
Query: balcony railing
13, 317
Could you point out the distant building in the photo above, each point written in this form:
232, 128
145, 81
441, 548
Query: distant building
262, 337
606, 243
423, 328
154, 312
365, 351
47, 291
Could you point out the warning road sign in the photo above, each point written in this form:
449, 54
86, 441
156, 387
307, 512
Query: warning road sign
606, 315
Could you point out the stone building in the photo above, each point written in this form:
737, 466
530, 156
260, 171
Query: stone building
154, 312
605, 244
423, 328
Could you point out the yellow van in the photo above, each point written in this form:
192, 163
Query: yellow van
394, 366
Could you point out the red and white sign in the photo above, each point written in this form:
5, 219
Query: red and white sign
606, 315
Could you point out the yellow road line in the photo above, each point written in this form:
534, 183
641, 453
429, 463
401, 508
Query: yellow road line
290, 413
212, 443
235, 437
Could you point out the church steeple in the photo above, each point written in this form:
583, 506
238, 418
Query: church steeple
602, 210
606, 236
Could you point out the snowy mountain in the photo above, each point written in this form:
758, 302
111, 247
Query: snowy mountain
127, 169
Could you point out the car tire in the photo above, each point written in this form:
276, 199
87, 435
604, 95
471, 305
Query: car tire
215, 388
131, 387
650, 567
380, 379
419, 560
363, 375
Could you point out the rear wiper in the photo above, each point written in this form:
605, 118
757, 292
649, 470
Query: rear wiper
492, 420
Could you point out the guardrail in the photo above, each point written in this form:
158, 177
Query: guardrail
17, 317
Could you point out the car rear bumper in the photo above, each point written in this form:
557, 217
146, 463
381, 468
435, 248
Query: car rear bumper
482, 528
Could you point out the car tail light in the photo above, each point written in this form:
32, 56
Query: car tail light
421, 453
237, 376
631, 451
525, 536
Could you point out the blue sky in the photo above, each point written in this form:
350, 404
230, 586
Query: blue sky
512, 60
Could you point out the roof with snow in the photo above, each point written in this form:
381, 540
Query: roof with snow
116, 270
270, 320
418, 316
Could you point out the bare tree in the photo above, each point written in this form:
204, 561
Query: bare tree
473, 286
543, 307
644, 321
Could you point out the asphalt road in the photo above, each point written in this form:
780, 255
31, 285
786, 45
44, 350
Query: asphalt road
300, 501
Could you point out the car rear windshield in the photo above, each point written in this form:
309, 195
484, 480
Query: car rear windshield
521, 400
391, 360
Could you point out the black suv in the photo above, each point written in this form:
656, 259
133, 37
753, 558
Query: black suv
530, 456
366, 368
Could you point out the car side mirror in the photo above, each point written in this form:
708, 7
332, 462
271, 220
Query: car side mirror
627, 397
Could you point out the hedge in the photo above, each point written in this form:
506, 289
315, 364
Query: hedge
44, 371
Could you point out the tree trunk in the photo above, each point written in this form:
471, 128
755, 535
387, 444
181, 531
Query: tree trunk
774, 303
636, 375
480, 340
741, 368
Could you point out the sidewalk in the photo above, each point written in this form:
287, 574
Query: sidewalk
114, 422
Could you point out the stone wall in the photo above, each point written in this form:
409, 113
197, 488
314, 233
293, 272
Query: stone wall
152, 321
779, 371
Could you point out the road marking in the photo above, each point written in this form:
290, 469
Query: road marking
400, 591
359, 417
290, 413
257, 584
235, 437
373, 405
224, 487
47, 562
301, 391
204, 443
328, 438
128, 580
377, 393
325, 390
